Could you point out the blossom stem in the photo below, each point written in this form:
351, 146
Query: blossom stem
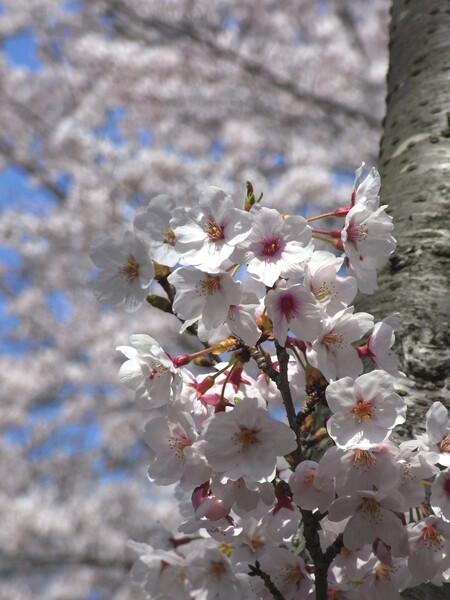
232, 269
298, 357
316, 218
334, 233
201, 352
185, 359
338, 212
221, 403
322, 239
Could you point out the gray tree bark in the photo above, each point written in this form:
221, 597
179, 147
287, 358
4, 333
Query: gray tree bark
415, 175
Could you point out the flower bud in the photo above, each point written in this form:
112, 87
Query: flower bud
159, 302
161, 271
181, 360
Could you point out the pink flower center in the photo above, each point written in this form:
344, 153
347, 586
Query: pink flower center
213, 230
447, 487
356, 233
363, 410
288, 306
270, 247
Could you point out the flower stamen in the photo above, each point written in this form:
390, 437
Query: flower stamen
363, 410
246, 437
169, 237
444, 445
131, 270
334, 339
363, 458
270, 247
213, 230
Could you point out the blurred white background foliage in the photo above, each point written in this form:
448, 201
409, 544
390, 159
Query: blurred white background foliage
128, 99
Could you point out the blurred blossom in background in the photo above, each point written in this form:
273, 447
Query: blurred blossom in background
105, 104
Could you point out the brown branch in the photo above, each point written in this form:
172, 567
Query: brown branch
11, 562
310, 407
332, 551
283, 384
255, 571
320, 559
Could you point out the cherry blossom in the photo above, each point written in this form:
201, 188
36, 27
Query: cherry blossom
211, 576
415, 468
159, 572
206, 295
149, 371
437, 436
241, 320
365, 410
366, 192
171, 440
332, 353
440, 495
155, 225
372, 515
293, 308
244, 442
276, 247
201, 510
288, 572
310, 491
385, 581
379, 344
179, 127
368, 243
361, 469
206, 235
334, 292
429, 549
354, 563
242, 498
126, 271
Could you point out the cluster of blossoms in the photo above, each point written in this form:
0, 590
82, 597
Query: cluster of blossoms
260, 518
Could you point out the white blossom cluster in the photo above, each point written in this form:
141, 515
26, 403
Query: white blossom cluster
245, 278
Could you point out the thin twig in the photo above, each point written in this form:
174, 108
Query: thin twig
255, 570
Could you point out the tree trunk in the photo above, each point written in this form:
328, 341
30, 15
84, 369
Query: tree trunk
415, 175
